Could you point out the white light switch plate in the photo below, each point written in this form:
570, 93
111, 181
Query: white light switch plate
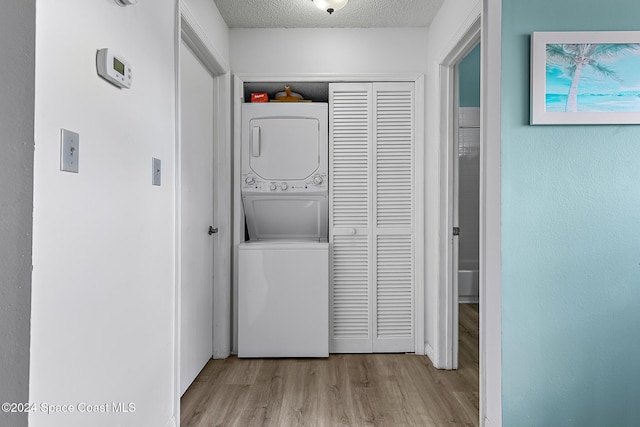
69, 151
156, 171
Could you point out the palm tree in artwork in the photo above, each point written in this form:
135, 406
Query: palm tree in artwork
572, 58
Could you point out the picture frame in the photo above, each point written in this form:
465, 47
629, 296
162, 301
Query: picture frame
585, 78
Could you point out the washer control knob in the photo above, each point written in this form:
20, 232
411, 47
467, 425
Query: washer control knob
317, 180
284, 186
249, 180
273, 187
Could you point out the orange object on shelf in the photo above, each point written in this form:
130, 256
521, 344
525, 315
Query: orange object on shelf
259, 97
288, 96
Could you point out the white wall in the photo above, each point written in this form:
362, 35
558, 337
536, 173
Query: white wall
17, 44
208, 17
443, 35
103, 247
328, 50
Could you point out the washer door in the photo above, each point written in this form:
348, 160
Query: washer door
284, 149
286, 217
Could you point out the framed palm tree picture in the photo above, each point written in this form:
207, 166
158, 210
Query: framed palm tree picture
585, 77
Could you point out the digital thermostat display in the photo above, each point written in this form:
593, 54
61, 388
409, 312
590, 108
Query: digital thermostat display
114, 69
118, 66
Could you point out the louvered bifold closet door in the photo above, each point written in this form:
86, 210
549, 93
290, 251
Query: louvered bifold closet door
350, 217
393, 146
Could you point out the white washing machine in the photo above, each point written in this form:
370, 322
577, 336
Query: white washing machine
283, 299
283, 270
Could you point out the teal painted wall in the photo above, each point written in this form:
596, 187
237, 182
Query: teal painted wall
570, 242
469, 79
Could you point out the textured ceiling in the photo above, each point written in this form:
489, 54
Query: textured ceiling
304, 14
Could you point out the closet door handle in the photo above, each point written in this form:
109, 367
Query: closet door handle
255, 141
212, 230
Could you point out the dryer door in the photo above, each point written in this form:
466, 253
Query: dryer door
284, 149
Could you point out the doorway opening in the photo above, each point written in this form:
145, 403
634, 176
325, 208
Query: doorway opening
486, 20
466, 206
457, 141
459, 308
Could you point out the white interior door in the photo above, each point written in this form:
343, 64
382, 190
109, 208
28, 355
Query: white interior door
350, 217
196, 210
372, 217
393, 217
455, 232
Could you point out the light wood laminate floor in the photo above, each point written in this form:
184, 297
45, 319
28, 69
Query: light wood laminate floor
344, 390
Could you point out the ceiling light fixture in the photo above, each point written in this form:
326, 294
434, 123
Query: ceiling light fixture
330, 5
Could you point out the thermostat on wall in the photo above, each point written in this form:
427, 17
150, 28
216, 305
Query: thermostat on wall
113, 68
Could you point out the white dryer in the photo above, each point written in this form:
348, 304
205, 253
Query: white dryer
283, 277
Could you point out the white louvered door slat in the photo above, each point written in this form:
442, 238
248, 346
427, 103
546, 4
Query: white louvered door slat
350, 329
394, 294
371, 217
393, 162
350, 132
350, 217
393, 225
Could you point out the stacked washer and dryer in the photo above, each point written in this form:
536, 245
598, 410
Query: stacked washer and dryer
283, 269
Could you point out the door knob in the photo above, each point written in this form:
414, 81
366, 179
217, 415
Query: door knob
212, 230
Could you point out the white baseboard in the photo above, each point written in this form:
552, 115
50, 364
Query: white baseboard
428, 351
486, 423
172, 422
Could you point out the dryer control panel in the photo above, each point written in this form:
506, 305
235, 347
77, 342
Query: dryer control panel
317, 183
